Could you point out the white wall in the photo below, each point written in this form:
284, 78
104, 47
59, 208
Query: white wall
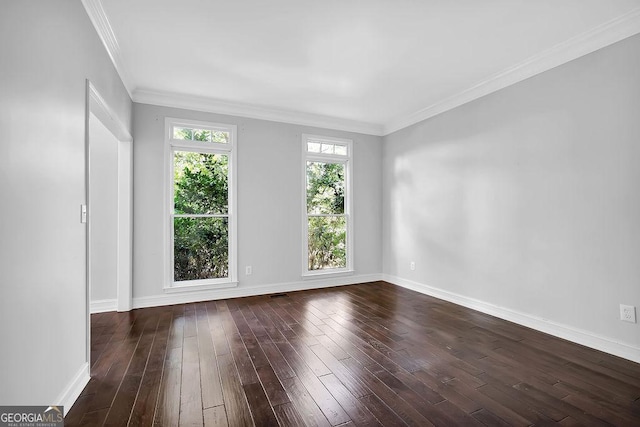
269, 201
103, 211
527, 200
48, 50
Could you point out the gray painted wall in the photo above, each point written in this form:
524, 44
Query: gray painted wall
269, 198
53, 49
103, 212
528, 198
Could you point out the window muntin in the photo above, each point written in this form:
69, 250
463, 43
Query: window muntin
327, 211
202, 237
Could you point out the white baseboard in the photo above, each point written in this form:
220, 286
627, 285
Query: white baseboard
216, 294
71, 393
103, 305
569, 333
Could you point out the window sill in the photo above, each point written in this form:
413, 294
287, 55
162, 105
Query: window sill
199, 287
324, 274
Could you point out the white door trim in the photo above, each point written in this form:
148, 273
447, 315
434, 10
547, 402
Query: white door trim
125, 215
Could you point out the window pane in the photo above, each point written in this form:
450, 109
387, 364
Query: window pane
220, 136
327, 242
200, 248
201, 183
182, 133
341, 150
313, 147
327, 148
325, 188
202, 135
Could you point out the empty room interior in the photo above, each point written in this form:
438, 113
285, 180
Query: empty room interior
338, 213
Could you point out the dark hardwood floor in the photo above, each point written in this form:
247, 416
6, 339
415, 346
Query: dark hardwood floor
360, 355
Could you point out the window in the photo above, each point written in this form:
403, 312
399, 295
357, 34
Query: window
327, 211
202, 214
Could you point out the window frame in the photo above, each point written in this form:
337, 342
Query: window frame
229, 149
347, 160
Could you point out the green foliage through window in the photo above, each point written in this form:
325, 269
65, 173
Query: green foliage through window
325, 188
327, 242
200, 248
327, 227
200, 135
201, 243
201, 183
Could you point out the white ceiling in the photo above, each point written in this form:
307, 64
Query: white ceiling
372, 65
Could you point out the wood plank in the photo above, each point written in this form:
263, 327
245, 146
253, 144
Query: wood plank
288, 415
351, 381
382, 412
110, 384
304, 404
168, 410
403, 409
508, 405
358, 412
259, 405
235, 401
245, 368
488, 418
554, 408
122, 405
209, 375
418, 402
190, 389
215, 417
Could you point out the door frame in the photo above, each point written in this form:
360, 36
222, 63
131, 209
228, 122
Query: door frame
96, 105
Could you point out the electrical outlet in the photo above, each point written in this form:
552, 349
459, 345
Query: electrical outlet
412, 265
248, 270
628, 313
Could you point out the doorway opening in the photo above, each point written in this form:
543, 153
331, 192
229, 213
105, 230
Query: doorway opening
108, 181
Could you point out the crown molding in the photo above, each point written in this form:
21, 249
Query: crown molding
101, 23
210, 105
599, 37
